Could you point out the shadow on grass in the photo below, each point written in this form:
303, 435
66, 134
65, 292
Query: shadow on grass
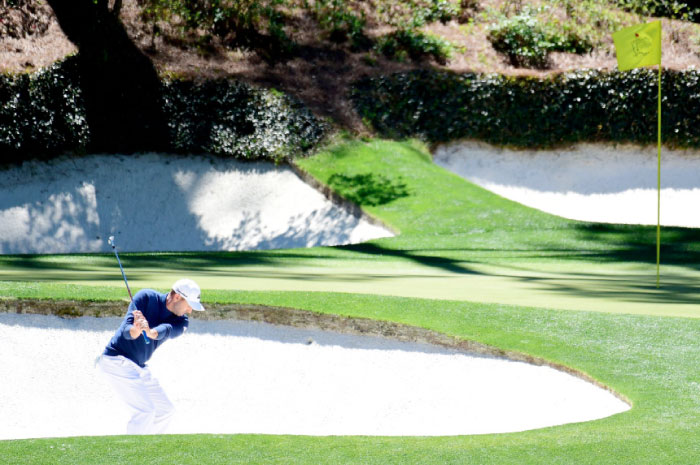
633, 243
587, 242
449, 264
84, 267
368, 189
632, 288
88, 267
599, 243
593, 243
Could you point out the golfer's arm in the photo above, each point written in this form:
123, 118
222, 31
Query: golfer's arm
152, 334
169, 331
130, 330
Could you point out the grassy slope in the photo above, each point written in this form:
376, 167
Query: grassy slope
649, 359
458, 242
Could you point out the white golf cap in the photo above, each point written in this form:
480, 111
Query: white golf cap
190, 291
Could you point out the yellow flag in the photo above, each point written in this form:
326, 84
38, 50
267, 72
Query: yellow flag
638, 46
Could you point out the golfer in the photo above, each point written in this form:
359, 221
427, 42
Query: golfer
162, 317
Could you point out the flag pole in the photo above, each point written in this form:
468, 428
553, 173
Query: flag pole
638, 46
658, 189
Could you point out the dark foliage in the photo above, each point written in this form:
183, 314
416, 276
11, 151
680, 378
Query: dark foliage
235, 119
585, 105
42, 114
45, 114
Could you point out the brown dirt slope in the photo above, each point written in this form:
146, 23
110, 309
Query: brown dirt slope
321, 71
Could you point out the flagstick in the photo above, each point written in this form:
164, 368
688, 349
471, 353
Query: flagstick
658, 190
640, 46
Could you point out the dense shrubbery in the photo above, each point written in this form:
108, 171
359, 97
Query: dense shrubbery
43, 114
527, 42
417, 13
341, 21
678, 9
232, 118
585, 105
417, 45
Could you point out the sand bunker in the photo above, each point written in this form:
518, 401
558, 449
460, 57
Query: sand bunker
597, 183
166, 203
245, 377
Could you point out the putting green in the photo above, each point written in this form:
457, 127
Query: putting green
616, 288
457, 242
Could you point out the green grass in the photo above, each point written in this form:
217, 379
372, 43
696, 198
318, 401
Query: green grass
471, 253
457, 242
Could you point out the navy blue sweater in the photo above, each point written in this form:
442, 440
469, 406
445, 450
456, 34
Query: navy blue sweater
168, 325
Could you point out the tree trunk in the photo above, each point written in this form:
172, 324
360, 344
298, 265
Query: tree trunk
120, 86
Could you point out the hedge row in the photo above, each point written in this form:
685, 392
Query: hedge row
235, 119
585, 105
43, 115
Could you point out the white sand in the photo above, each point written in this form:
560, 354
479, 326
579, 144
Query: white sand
243, 377
156, 203
598, 183
234, 377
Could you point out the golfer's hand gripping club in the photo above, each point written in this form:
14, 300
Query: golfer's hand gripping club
141, 323
114, 247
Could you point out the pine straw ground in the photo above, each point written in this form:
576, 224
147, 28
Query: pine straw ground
321, 71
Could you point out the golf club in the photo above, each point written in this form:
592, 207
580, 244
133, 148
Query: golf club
114, 247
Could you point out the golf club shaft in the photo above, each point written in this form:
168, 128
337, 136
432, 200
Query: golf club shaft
114, 247
123, 275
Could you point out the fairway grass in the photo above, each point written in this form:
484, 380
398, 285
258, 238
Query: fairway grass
468, 264
613, 288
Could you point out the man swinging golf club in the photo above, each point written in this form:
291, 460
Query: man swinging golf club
161, 317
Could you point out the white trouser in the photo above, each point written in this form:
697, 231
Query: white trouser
151, 408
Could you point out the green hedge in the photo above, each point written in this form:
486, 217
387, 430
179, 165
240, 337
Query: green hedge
687, 10
235, 119
585, 105
43, 115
